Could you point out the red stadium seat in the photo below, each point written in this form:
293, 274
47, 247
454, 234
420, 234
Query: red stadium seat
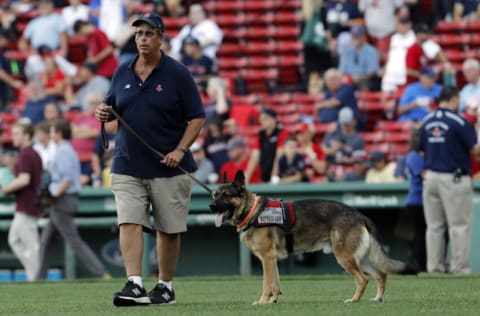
450, 27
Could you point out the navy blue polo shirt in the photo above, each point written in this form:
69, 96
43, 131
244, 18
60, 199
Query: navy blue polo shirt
346, 95
446, 138
159, 110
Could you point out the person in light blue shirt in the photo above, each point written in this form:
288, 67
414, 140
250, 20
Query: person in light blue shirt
361, 62
418, 97
471, 72
48, 29
64, 188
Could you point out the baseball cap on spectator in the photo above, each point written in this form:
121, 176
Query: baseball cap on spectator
357, 30
44, 50
345, 115
377, 155
422, 28
90, 67
151, 19
236, 142
305, 127
427, 71
195, 147
191, 40
270, 112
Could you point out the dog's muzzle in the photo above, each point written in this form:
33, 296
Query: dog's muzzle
219, 206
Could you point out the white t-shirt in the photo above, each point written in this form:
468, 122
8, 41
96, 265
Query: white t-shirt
379, 16
72, 14
206, 30
395, 68
46, 153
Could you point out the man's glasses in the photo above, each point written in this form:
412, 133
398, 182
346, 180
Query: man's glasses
148, 34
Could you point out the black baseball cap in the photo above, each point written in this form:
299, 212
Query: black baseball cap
270, 112
151, 19
422, 28
191, 40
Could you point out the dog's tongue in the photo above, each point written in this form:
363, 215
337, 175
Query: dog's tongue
219, 219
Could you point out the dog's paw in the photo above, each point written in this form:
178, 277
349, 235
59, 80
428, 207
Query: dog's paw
350, 300
376, 300
272, 300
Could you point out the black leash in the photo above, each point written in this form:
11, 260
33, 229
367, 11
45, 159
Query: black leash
140, 139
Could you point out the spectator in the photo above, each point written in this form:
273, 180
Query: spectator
341, 16
87, 81
166, 47
361, 61
100, 50
85, 128
6, 79
44, 145
359, 167
200, 66
339, 144
23, 234
313, 155
471, 72
219, 105
206, 31
205, 168
215, 144
75, 11
337, 95
170, 8
442, 10
316, 51
52, 112
125, 38
380, 19
381, 171
291, 165
395, 71
35, 106
238, 160
35, 64
47, 29
8, 24
54, 80
267, 147
414, 202
423, 53
418, 97
107, 15
7, 165
100, 155
466, 10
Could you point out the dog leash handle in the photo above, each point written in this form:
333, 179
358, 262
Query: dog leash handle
104, 136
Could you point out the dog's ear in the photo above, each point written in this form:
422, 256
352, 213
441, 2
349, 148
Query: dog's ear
239, 181
224, 178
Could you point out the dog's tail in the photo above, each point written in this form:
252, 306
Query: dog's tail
382, 262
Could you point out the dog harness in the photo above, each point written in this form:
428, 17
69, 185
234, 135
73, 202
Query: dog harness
276, 213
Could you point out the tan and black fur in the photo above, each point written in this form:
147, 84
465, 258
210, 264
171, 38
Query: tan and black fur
320, 225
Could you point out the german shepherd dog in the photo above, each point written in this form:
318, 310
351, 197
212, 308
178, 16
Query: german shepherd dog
320, 225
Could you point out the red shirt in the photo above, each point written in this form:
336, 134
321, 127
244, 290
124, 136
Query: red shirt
231, 168
84, 146
416, 60
96, 42
51, 82
28, 161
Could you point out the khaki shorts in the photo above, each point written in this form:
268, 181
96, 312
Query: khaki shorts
169, 199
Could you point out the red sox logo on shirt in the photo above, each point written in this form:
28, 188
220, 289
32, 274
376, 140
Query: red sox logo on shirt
159, 88
437, 132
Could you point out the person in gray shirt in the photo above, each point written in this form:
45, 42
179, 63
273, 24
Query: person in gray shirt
90, 82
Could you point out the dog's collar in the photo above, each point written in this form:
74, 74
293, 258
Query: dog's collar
250, 214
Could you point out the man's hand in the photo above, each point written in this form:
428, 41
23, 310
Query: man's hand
173, 158
102, 112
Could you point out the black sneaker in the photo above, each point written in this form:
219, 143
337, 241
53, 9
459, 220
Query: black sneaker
132, 294
162, 295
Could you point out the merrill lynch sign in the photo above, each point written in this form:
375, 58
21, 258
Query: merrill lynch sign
371, 200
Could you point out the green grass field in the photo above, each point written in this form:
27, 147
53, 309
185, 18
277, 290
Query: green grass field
302, 295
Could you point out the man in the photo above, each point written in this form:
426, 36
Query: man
158, 97
447, 141
394, 73
360, 62
337, 95
201, 67
267, 147
35, 106
47, 29
359, 167
206, 170
100, 51
89, 81
423, 52
75, 11
466, 10
419, 96
23, 235
339, 144
206, 31
379, 16
471, 72
64, 188
6, 80
381, 171
44, 145
238, 160
218, 106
